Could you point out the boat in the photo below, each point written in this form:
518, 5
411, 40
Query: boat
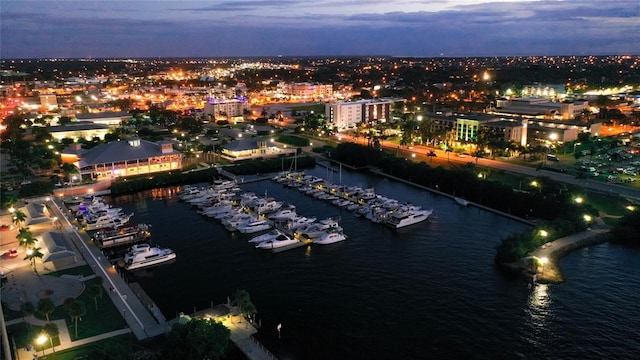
316, 229
272, 234
107, 222
406, 217
254, 226
330, 238
278, 242
283, 214
461, 201
299, 222
143, 255
120, 236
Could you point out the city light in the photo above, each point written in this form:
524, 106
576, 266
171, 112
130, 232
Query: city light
543, 233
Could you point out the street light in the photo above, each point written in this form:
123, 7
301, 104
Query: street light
543, 261
41, 340
574, 146
543, 233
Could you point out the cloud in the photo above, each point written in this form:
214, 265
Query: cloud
261, 27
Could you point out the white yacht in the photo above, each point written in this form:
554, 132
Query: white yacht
254, 226
277, 242
406, 217
283, 214
299, 222
142, 255
110, 222
272, 234
235, 222
316, 229
461, 201
330, 238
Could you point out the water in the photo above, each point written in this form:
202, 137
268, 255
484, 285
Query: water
428, 291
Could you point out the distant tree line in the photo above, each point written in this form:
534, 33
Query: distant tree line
550, 201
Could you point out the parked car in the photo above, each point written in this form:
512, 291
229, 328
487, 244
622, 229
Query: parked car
12, 253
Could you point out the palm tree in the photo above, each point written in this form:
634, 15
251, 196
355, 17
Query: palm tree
242, 300
95, 292
19, 217
46, 307
32, 255
52, 331
25, 238
75, 309
28, 309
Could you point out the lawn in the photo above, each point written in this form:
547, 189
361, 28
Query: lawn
316, 108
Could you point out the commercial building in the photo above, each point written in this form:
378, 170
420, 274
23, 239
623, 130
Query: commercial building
109, 118
251, 148
540, 108
123, 158
550, 91
79, 130
345, 115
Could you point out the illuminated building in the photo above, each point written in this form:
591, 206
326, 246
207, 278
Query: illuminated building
344, 115
123, 158
540, 108
226, 108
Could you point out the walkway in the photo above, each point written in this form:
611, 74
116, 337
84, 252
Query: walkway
547, 270
139, 319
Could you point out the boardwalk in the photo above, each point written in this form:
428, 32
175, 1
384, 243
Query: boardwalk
139, 318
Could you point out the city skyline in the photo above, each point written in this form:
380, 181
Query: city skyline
419, 28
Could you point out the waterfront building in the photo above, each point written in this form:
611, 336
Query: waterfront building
346, 115
123, 158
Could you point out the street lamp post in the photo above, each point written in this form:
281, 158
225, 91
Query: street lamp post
543, 261
41, 340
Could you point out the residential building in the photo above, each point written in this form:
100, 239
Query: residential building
226, 108
123, 158
301, 92
345, 115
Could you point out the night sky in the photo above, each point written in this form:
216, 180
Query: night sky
230, 28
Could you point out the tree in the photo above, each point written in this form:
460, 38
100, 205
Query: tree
75, 309
25, 238
95, 292
28, 309
196, 340
52, 332
242, 300
46, 307
32, 255
19, 217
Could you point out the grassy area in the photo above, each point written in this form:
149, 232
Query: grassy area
121, 347
611, 205
106, 317
84, 270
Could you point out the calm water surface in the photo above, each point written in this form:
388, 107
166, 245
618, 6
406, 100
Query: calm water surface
428, 291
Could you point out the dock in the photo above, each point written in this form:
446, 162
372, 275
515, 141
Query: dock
148, 302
